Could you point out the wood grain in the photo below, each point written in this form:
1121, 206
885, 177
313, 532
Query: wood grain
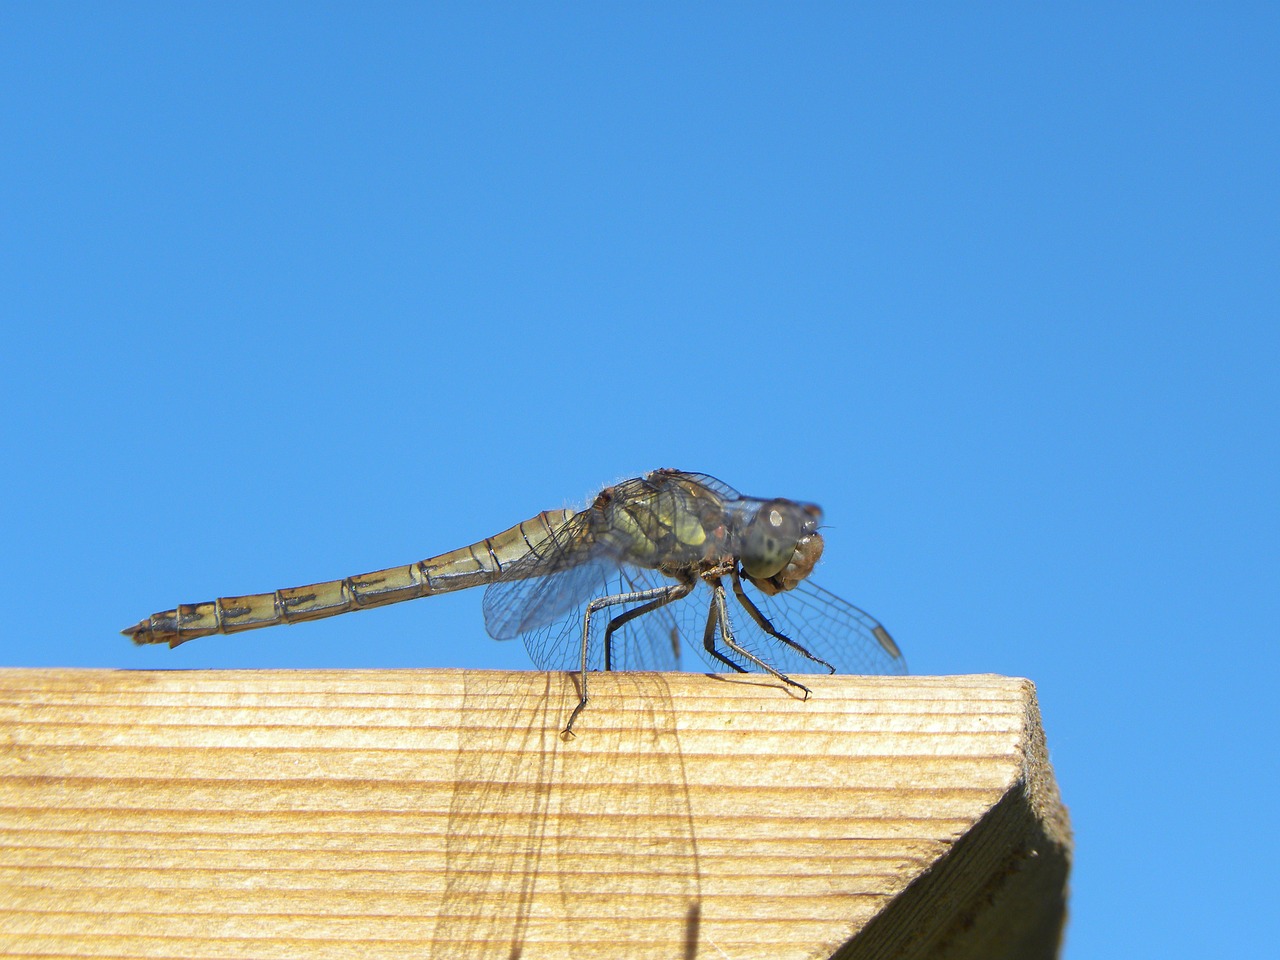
336, 814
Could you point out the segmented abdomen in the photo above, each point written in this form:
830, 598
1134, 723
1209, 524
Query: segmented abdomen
478, 563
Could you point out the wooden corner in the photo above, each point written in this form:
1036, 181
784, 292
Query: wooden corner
438, 813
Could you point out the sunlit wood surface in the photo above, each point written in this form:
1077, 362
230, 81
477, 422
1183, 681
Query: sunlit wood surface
437, 813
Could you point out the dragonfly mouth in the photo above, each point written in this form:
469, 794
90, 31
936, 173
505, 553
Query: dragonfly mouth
813, 522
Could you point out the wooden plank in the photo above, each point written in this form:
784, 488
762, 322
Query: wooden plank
333, 814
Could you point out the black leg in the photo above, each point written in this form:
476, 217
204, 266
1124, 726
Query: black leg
726, 635
709, 635
766, 624
671, 593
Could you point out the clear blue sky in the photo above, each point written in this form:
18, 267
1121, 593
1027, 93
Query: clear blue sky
296, 291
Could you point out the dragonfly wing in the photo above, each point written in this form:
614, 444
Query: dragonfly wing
718, 487
832, 629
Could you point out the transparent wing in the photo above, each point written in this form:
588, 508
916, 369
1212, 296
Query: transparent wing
832, 629
718, 487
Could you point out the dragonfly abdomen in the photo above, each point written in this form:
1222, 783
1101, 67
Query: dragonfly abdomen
468, 566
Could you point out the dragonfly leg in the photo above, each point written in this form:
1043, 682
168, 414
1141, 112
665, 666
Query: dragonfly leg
720, 612
664, 595
709, 635
766, 624
651, 600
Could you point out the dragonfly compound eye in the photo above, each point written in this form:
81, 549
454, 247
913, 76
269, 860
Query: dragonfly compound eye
770, 539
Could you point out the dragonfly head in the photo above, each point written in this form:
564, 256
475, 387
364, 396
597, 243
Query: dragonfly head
781, 544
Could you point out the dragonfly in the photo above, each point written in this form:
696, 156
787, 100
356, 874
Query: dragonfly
652, 563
